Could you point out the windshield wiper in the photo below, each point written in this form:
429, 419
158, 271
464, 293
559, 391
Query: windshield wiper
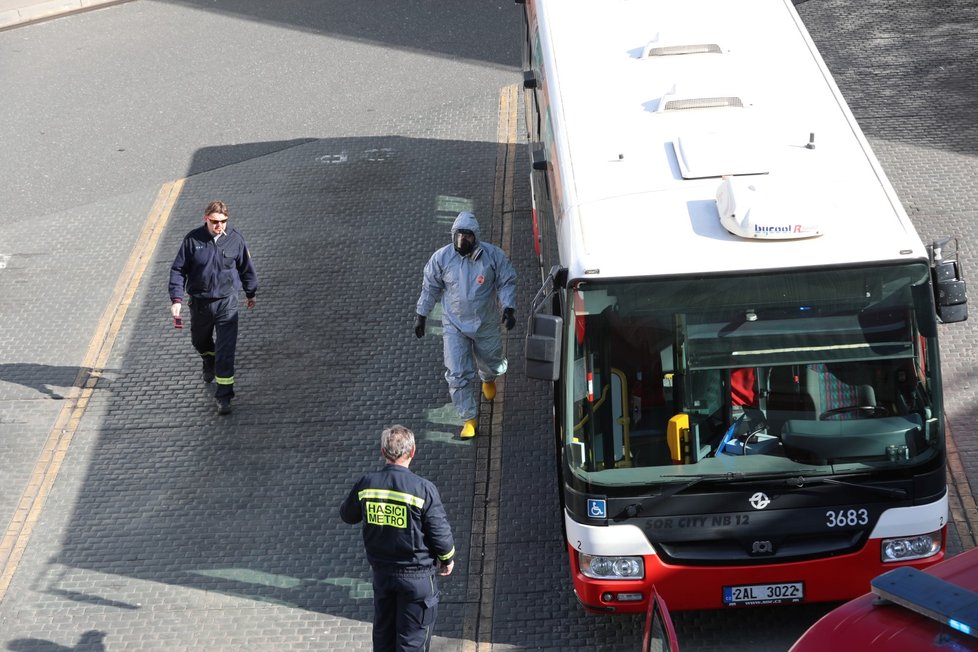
634, 509
801, 481
790, 479
796, 479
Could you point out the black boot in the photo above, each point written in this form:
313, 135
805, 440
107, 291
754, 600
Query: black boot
208, 369
224, 405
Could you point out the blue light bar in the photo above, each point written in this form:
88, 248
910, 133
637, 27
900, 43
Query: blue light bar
961, 627
930, 596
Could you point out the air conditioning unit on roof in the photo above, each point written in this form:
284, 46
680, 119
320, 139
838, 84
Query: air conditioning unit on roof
749, 208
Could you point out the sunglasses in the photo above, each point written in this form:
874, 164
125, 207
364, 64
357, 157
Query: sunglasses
217, 221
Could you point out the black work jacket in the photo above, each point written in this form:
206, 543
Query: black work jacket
212, 270
405, 528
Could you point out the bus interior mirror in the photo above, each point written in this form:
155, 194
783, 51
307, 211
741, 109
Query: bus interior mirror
950, 288
543, 341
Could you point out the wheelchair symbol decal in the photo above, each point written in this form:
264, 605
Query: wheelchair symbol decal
596, 508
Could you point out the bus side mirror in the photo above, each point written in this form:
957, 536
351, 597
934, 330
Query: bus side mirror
543, 341
950, 289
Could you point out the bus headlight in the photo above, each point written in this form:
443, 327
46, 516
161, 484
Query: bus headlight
907, 548
612, 568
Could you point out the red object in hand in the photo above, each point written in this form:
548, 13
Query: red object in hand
178, 322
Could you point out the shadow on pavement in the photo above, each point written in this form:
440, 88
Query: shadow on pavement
90, 641
418, 25
45, 378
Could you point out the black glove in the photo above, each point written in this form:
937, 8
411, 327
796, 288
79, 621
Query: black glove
509, 318
419, 321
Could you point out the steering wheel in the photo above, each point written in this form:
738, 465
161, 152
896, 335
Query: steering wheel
866, 411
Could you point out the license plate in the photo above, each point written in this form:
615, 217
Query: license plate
756, 594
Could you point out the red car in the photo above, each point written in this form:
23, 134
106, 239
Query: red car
907, 610
659, 635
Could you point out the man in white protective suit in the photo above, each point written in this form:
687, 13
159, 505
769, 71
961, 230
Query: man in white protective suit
473, 280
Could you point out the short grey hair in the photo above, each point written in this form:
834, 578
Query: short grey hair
396, 442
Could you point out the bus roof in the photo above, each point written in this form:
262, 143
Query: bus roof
638, 169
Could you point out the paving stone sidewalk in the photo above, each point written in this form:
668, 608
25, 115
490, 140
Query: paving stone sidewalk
170, 527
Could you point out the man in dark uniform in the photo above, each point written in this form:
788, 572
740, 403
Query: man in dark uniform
408, 541
214, 265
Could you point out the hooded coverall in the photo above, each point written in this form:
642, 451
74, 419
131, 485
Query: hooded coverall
468, 287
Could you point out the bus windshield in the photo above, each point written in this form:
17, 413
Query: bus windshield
813, 370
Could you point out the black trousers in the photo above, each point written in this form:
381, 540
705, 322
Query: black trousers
220, 316
405, 607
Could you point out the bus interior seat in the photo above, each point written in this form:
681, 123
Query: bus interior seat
786, 398
830, 390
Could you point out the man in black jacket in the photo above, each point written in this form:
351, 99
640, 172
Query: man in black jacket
408, 540
213, 265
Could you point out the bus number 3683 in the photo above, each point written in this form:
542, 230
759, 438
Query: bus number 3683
846, 518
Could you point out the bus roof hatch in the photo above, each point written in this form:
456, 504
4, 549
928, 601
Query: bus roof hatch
717, 154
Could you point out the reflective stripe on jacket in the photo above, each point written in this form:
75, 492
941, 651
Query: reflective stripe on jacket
405, 528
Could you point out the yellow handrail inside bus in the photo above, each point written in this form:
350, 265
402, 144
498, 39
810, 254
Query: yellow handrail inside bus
624, 421
604, 394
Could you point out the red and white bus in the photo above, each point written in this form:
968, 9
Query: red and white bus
740, 320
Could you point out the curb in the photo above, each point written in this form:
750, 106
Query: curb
50, 9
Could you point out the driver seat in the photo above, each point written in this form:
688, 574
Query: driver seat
829, 391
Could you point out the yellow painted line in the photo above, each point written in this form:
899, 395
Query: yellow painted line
28, 511
477, 620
